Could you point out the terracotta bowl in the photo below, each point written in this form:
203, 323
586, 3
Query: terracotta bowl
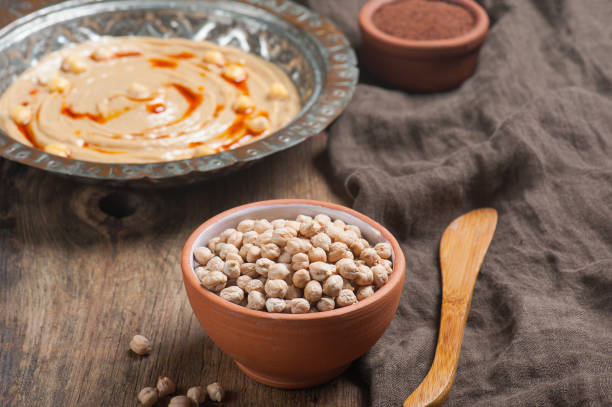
422, 66
286, 350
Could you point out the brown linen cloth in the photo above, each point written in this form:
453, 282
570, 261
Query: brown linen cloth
530, 134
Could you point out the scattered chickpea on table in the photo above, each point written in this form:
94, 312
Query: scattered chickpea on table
293, 266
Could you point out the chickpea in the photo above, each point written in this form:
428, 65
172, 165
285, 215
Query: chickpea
148, 396
313, 291
213, 57
380, 275
347, 268
358, 246
294, 225
201, 272
253, 254
339, 224
249, 237
337, 251
197, 395
261, 225
303, 218
293, 292
242, 104
263, 266
333, 285
254, 285
278, 223
57, 149
215, 264
301, 278
242, 281
317, 254
202, 255
345, 298
215, 392
244, 248
249, 269
282, 235
102, 54
275, 305
300, 261
165, 386
270, 251
232, 294
218, 248
214, 281
387, 264
309, 228
264, 238
212, 243
225, 234
289, 278
74, 64
287, 309
297, 245
258, 124
278, 91
354, 229
364, 275
326, 304
347, 237
320, 271
58, 84
226, 249
364, 292
333, 232
370, 256
278, 271
140, 345
236, 257
255, 300
246, 225
383, 250
276, 288
234, 73
232, 269
285, 257
21, 115
347, 285
299, 306
323, 219
321, 240
235, 239
138, 91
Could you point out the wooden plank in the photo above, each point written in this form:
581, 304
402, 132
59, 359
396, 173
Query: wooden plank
76, 284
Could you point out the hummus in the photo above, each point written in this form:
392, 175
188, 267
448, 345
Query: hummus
140, 100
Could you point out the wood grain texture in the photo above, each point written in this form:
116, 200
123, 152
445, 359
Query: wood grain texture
83, 268
463, 248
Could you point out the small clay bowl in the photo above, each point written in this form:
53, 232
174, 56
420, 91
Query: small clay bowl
293, 350
422, 66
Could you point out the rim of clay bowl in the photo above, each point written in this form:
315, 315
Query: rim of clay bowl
189, 277
463, 42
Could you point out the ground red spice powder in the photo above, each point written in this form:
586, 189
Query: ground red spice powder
423, 19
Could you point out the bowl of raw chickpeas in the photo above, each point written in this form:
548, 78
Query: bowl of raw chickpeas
293, 290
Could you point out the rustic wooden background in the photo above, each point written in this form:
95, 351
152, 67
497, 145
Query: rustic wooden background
84, 268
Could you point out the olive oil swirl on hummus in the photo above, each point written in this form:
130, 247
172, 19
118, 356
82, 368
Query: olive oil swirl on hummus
140, 100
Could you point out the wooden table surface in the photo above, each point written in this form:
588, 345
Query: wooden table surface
84, 268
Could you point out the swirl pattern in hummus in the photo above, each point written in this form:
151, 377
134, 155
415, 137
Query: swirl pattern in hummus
140, 99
